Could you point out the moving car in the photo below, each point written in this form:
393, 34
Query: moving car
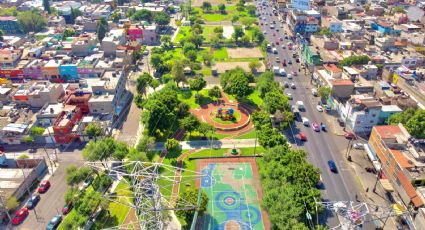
305, 121
284, 63
327, 108
20, 216
350, 135
302, 136
54, 222
277, 59
294, 73
44, 186
293, 86
286, 84
33, 201
315, 126
289, 61
277, 42
332, 166
319, 108
67, 208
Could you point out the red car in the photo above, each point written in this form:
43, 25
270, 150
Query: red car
302, 136
350, 136
284, 63
67, 208
294, 73
44, 186
277, 43
274, 34
315, 126
20, 216
281, 39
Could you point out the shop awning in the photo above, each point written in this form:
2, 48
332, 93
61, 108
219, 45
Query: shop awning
386, 184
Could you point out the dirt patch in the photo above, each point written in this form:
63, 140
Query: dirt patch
244, 53
224, 66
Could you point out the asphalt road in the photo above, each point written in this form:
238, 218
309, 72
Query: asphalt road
52, 201
321, 146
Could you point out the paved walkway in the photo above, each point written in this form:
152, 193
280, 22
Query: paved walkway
215, 144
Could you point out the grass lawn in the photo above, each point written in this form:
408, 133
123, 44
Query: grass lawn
206, 71
231, 97
221, 152
216, 16
188, 97
236, 115
117, 211
183, 32
220, 54
208, 32
176, 53
249, 135
198, 136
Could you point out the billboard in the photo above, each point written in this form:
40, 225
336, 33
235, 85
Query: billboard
300, 4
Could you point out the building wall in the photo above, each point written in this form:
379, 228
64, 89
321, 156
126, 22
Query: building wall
63, 134
135, 33
9, 26
101, 107
68, 72
362, 123
44, 97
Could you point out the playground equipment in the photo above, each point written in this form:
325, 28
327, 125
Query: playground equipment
225, 114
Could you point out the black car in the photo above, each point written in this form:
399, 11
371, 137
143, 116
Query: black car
33, 201
332, 166
54, 222
297, 60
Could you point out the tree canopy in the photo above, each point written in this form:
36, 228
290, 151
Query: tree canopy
93, 130
275, 100
324, 92
236, 82
31, 21
102, 28
142, 15
355, 60
162, 18
412, 119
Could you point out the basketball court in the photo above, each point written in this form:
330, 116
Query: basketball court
234, 193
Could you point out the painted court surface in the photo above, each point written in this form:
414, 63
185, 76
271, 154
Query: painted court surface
234, 193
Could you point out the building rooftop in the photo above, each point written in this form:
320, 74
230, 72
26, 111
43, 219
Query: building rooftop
341, 82
388, 131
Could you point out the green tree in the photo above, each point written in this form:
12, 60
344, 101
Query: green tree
154, 84
222, 8
46, 5
191, 55
71, 195
189, 123
115, 16
121, 151
146, 144
142, 82
12, 203
206, 6
86, 204
76, 175
99, 150
270, 137
74, 14
130, 12
234, 19
413, 120
398, 9
1, 35
68, 32
236, 82
245, 40
197, 84
166, 42
171, 144
324, 92
257, 35
254, 65
161, 18
23, 156
207, 58
93, 130
324, 32
102, 28
355, 60
238, 33
134, 155
248, 22
265, 83
205, 128
178, 72
251, 10
37, 131
142, 15
275, 100
188, 46
215, 92
190, 196
31, 21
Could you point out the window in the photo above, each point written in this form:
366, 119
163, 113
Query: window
397, 181
398, 169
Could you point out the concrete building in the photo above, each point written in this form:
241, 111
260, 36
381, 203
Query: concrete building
384, 43
13, 133
9, 24
333, 24
341, 88
84, 44
65, 126
9, 57
311, 55
401, 162
33, 70
361, 113
112, 40
56, 21
50, 70
43, 92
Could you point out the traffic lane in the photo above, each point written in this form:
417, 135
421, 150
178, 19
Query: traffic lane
52, 201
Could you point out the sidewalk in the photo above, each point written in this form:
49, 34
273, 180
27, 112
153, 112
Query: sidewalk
215, 144
366, 181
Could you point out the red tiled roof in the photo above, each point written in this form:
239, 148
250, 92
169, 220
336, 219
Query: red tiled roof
387, 131
7, 18
342, 82
410, 190
333, 68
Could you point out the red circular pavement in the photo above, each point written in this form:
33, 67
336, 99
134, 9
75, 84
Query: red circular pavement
206, 112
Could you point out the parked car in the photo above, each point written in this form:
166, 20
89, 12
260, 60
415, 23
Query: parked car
327, 108
289, 96
86, 183
33, 201
293, 86
332, 166
350, 135
341, 122
286, 84
54, 222
305, 121
44, 186
20, 216
277, 59
67, 208
319, 108
302, 136
289, 62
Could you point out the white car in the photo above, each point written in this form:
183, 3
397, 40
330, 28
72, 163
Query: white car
293, 86
289, 96
319, 108
289, 76
306, 122
358, 146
